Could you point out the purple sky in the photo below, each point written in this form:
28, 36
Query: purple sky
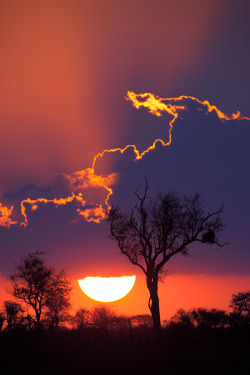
66, 67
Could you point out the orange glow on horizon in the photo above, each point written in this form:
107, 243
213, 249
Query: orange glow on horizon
87, 178
107, 289
178, 291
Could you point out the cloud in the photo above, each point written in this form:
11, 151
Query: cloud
27, 190
6, 214
90, 191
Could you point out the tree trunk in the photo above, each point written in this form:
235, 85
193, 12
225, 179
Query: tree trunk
153, 304
38, 320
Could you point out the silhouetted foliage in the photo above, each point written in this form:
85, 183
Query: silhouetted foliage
2, 320
41, 289
240, 304
178, 350
138, 325
201, 318
157, 229
81, 319
144, 320
191, 343
182, 318
209, 318
58, 300
104, 317
14, 315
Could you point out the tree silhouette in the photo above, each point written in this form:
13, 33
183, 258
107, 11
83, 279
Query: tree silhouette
158, 229
209, 318
240, 303
14, 314
144, 320
58, 300
40, 288
103, 317
182, 318
81, 318
106, 320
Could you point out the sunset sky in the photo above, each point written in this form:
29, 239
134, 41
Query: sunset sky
66, 67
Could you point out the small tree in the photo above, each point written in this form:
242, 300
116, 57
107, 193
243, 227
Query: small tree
58, 300
36, 285
14, 315
158, 229
182, 318
240, 304
209, 318
140, 320
103, 317
201, 317
81, 319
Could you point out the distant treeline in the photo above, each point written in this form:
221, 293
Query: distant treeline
199, 341
41, 301
13, 317
40, 334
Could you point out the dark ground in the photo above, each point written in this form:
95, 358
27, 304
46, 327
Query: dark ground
90, 351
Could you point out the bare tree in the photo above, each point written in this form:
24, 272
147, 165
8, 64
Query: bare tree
36, 285
158, 229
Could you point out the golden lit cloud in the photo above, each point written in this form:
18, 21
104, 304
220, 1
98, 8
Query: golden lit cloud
158, 105
34, 203
78, 181
5, 216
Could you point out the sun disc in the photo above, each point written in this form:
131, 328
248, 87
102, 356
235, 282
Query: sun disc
107, 289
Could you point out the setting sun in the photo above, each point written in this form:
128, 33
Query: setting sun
107, 289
